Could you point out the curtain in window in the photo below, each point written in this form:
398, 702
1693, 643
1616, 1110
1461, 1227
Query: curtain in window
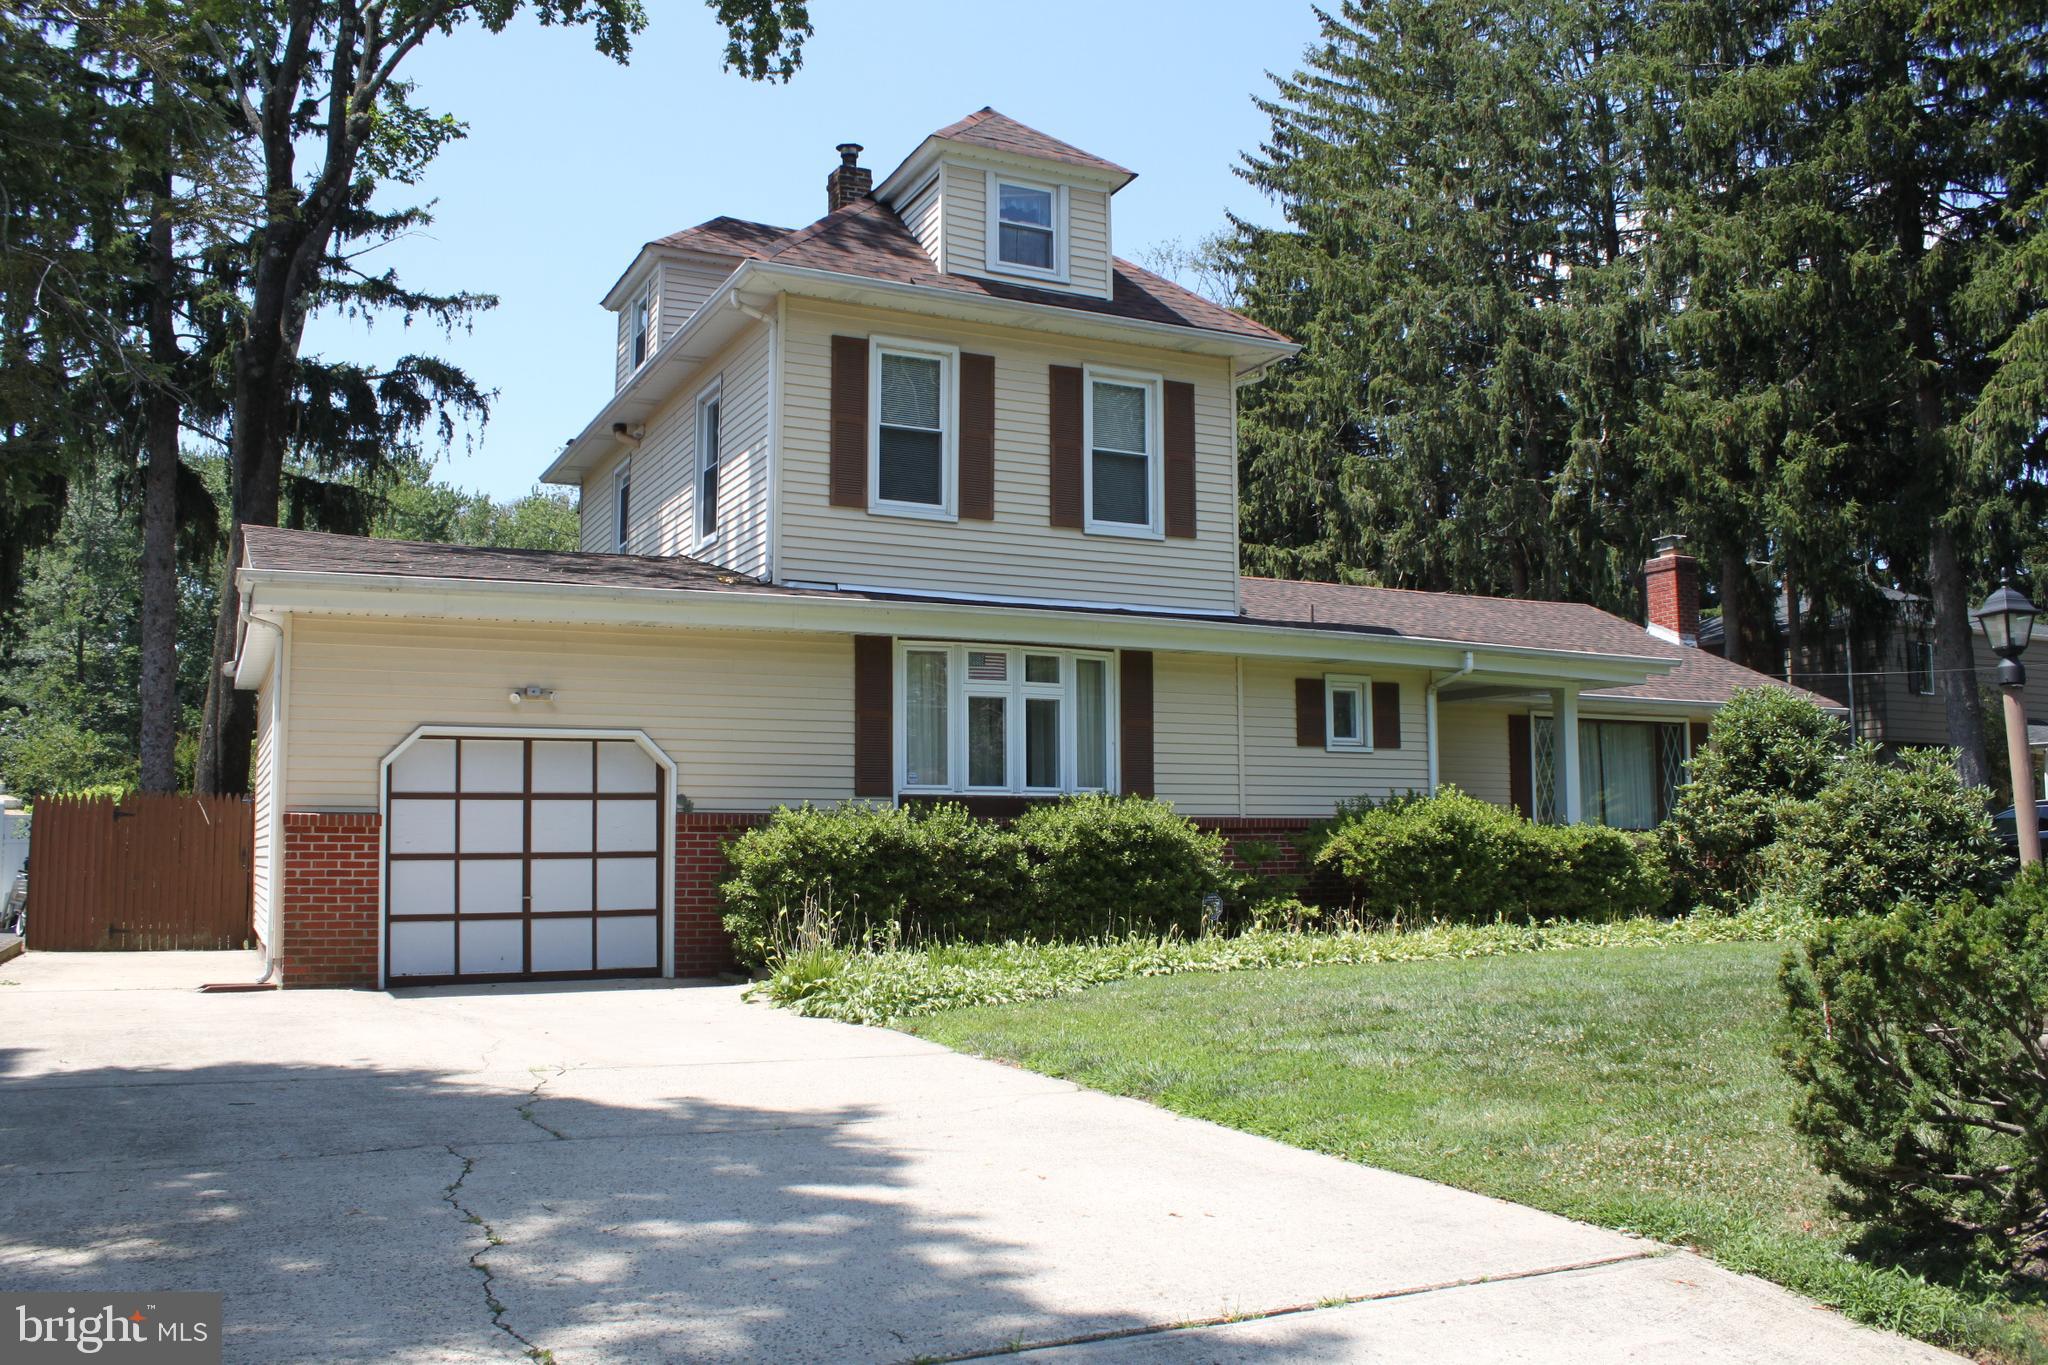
912, 455
1122, 482
987, 735
1091, 734
924, 720
1619, 773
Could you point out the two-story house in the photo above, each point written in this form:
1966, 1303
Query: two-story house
933, 498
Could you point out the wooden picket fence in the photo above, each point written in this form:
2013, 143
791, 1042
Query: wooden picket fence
141, 872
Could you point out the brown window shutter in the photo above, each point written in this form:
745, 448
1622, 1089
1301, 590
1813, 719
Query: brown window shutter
874, 737
1180, 459
1386, 715
978, 437
1699, 735
1309, 726
849, 440
1134, 697
1065, 480
1521, 784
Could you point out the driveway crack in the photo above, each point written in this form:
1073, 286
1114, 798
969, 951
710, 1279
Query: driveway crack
525, 1107
452, 1196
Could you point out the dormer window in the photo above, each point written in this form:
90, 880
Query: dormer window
1029, 221
643, 316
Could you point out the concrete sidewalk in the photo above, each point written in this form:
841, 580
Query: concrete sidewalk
658, 1172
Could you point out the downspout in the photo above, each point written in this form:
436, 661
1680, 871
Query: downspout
276, 821
1437, 680
772, 532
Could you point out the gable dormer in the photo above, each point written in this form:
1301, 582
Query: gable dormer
670, 279
991, 198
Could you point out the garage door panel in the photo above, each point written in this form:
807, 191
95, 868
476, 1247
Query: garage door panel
626, 941
495, 886
562, 884
493, 765
626, 884
626, 827
564, 826
423, 887
423, 949
422, 826
510, 857
493, 947
562, 945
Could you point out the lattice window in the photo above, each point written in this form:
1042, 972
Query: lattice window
1543, 769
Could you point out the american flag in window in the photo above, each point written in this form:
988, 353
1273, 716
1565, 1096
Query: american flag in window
987, 665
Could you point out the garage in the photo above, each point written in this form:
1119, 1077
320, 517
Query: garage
523, 857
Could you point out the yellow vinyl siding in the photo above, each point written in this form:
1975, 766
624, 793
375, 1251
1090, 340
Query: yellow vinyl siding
752, 720
926, 218
1019, 554
664, 507
1282, 778
684, 287
966, 229
594, 506
1194, 719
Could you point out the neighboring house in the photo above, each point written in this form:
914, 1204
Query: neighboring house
934, 498
1888, 681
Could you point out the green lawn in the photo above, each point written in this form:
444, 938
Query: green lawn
1632, 1087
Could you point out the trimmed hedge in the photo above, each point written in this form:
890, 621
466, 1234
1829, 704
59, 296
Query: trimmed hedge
881, 875
1456, 859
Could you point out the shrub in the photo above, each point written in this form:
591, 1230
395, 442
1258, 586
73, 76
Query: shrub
879, 872
1765, 745
1917, 1041
1881, 834
1457, 859
1108, 865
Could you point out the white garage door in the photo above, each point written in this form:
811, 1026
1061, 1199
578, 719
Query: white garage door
514, 859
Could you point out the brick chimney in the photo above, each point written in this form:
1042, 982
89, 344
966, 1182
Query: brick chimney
1671, 590
850, 181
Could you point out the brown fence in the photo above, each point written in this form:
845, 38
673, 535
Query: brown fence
144, 872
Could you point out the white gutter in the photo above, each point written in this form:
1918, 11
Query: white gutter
1436, 681
417, 597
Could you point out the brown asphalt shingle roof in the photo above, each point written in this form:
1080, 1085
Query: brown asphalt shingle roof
999, 132
271, 547
723, 236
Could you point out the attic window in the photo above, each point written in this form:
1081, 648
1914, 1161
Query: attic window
1028, 219
643, 310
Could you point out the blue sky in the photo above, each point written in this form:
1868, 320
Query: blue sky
572, 162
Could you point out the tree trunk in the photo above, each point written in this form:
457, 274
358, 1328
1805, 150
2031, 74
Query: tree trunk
1955, 656
1794, 642
1734, 570
159, 699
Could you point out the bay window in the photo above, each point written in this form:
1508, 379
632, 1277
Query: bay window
975, 719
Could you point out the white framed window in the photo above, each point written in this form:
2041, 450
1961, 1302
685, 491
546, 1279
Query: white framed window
622, 506
913, 406
1920, 667
1347, 713
1122, 471
987, 719
642, 325
710, 408
1027, 227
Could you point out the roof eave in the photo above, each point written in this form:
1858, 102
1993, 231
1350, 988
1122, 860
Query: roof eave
913, 170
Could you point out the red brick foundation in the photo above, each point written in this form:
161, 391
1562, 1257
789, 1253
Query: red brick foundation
702, 946
1282, 832
329, 900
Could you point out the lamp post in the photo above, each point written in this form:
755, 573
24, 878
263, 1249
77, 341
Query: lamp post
2008, 621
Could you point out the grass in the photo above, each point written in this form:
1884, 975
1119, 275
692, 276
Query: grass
1631, 1086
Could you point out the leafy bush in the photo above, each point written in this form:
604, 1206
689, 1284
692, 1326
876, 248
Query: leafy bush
880, 872
1116, 865
1765, 746
886, 875
1917, 1041
1881, 834
1457, 859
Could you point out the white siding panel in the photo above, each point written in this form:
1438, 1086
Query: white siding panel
263, 876
1194, 717
684, 287
752, 720
925, 216
1019, 554
1472, 740
966, 230
594, 507
1282, 778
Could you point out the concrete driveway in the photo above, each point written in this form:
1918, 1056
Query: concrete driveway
658, 1172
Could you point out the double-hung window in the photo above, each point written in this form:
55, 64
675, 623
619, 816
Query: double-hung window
1920, 667
987, 719
911, 397
1026, 226
622, 506
1123, 468
709, 408
1347, 712
643, 320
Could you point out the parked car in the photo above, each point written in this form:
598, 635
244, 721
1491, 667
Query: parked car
2007, 822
